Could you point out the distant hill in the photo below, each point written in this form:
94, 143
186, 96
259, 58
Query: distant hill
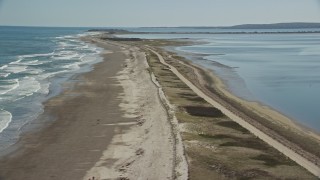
275, 26
295, 25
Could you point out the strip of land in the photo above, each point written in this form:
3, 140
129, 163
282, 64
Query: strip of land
191, 78
108, 124
309, 165
144, 113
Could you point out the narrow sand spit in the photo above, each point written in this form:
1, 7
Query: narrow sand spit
112, 124
152, 148
313, 168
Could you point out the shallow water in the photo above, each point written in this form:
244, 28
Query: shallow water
279, 70
33, 64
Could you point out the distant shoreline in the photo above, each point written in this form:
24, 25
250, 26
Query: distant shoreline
122, 32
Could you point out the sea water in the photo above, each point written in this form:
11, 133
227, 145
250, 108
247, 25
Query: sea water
34, 62
279, 70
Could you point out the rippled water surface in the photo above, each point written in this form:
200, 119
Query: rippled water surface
33, 63
279, 70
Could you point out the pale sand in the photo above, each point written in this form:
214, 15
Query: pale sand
310, 166
153, 148
71, 144
112, 124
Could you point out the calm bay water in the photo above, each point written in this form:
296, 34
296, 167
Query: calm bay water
33, 64
278, 70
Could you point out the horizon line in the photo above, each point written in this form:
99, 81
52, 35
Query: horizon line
180, 26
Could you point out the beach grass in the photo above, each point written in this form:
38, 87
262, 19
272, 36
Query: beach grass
215, 145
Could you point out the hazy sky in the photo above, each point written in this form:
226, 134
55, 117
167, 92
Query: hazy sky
155, 12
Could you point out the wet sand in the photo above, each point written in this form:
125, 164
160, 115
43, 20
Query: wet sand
71, 144
110, 123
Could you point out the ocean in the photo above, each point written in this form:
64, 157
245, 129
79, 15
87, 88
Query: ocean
34, 62
278, 70
281, 70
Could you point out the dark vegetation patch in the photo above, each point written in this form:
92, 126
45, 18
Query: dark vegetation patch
307, 144
252, 143
180, 86
203, 111
122, 39
187, 94
232, 125
162, 74
110, 31
273, 161
254, 174
229, 172
247, 143
217, 136
196, 99
212, 162
191, 97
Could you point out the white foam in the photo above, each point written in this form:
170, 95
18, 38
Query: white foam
29, 85
3, 67
69, 37
36, 55
10, 86
16, 69
66, 55
65, 37
83, 47
25, 87
64, 45
5, 119
49, 75
28, 63
44, 88
4, 74
88, 59
33, 71
20, 58
74, 66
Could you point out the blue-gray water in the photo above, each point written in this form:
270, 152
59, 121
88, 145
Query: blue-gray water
33, 64
279, 70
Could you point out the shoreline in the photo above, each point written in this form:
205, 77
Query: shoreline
271, 122
105, 126
38, 135
222, 85
204, 138
286, 147
257, 105
57, 85
307, 122
111, 123
281, 129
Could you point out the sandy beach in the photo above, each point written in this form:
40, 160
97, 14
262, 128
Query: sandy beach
110, 123
141, 114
